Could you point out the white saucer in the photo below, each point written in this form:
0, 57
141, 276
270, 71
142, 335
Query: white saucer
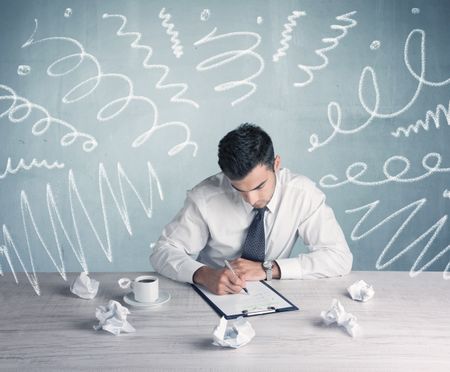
163, 298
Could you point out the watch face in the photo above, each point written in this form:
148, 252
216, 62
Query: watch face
267, 264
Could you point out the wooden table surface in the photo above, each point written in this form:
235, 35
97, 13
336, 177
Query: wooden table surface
405, 327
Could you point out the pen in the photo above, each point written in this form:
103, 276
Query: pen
227, 264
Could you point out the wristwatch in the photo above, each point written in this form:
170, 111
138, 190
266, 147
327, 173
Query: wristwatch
267, 266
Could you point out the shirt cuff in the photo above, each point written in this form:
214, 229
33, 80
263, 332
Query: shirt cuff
187, 270
289, 268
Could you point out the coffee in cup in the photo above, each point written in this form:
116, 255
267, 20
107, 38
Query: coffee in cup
145, 287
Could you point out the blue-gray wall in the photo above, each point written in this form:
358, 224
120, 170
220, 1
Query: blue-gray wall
84, 86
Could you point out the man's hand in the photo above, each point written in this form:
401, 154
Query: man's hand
251, 270
220, 281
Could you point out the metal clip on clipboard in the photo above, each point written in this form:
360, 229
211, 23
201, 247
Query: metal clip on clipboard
270, 309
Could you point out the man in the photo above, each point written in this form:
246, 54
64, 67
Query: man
251, 214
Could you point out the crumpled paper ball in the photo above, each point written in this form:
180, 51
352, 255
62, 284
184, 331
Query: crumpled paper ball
233, 333
85, 287
361, 291
337, 314
113, 318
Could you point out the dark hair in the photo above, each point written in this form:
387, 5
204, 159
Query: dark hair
243, 149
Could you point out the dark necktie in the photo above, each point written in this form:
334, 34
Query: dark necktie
255, 242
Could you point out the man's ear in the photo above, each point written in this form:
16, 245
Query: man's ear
277, 163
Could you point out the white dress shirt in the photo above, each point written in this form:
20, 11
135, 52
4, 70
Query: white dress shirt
213, 224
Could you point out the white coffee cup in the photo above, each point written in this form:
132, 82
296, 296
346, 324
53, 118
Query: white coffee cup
145, 287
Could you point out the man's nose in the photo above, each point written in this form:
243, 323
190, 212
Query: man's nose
251, 197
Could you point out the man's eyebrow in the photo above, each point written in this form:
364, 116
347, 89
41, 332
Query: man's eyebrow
257, 187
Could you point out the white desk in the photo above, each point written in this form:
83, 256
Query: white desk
406, 327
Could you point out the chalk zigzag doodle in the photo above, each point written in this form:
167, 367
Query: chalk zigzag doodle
286, 34
431, 162
432, 232
230, 56
334, 109
116, 106
333, 41
21, 108
177, 48
22, 165
425, 125
182, 87
120, 203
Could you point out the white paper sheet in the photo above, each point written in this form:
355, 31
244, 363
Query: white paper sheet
260, 297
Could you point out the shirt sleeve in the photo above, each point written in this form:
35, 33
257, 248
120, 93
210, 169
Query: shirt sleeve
329, 254
182, 239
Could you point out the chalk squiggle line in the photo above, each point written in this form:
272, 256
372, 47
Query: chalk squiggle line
56, 221
286, 34
334, 41
331, 181
425, 125
336, 122
177, 48
182, 87
433, 231
21, 108
227, 57
21, 165
121, 102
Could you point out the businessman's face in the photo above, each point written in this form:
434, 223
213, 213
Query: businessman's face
258, 186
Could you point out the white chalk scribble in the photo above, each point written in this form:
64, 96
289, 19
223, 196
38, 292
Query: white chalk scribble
333, 43
374, 45
431, 162
431, 233
23, 70
368, 74
116, 106
286, 34
435, 116
177, 48
205, 14
415, 11
21, 108
68, 13
59, 230
22, 165
230, 56
446, 194
259, 20
161, 84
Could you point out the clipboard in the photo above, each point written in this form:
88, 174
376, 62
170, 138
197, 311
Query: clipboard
262, 299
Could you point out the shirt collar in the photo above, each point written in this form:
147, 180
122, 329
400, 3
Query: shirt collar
272, 204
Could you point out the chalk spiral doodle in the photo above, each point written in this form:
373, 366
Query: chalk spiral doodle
431, 162
116, 106
177, 48
369, 77
182, 87
21, 108
230, 56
